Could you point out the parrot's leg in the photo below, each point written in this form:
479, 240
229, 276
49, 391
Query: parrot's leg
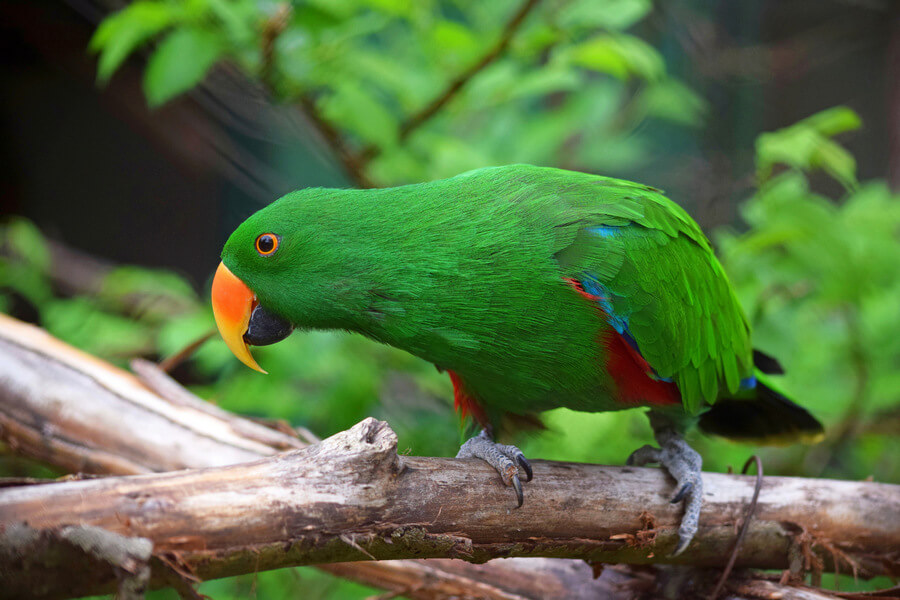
684, 464
506, 459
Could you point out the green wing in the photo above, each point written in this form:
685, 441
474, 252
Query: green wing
659, 279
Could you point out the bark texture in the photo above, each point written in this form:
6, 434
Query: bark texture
352, 498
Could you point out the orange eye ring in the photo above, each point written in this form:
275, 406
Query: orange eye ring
267, 244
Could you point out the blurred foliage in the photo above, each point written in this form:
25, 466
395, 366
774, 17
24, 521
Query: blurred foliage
369, 65
819, 280
575, 89
817, 277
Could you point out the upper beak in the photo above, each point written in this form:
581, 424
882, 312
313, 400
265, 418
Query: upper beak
233, 303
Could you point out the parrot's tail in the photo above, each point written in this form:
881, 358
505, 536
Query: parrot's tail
764, 416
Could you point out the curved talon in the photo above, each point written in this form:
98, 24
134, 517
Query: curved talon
684, 465
526, 466
517, 485
682, 545
506, 460
643, 456
680, 494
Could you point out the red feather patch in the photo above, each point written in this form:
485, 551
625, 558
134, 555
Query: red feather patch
464, 403
631, 373
633, 377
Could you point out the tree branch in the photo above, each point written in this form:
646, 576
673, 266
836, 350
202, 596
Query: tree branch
60, 405
351, 497
456, 85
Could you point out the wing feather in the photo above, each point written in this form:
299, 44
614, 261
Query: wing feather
662, 280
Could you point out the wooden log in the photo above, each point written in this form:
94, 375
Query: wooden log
49, 419
351, 497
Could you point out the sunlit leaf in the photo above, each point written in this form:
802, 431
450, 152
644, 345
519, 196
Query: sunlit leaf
180, 62
123, 32
807, 145
622, 56
609, 14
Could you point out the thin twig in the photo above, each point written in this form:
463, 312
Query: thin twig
179, 357
274, 27
453, 88
744, 527
885, 594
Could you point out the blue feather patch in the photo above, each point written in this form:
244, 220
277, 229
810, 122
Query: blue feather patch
618, 321
748, 383
605, 230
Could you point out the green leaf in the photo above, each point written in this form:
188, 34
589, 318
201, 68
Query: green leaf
180, 330
180, 62
622, 56
156, 293
81, 323
24, 240
550, 79
453, 40
398, 8
673, 101
833, 121
609, 14
123, 32
807, 145
239, 18
26, 281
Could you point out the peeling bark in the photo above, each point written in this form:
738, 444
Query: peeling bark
352, 498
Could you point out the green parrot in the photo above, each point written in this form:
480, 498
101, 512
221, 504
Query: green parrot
534, 288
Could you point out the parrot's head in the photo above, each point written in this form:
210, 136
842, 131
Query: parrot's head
280, 270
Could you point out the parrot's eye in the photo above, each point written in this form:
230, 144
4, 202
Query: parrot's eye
267, 244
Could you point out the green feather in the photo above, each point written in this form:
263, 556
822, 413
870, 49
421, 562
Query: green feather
468, 273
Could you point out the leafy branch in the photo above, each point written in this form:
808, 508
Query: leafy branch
361, 73
431, 109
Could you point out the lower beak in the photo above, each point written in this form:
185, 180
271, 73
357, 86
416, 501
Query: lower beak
233, 302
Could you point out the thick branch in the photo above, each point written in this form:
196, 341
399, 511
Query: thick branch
74, 411
61, 405
351, 497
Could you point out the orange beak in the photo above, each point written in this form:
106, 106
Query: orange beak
232, 303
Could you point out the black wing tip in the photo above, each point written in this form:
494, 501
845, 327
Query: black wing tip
767, 363
768, 418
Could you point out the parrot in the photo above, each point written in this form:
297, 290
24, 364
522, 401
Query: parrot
534, 288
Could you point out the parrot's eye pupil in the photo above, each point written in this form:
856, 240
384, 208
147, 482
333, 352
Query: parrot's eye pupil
267, 243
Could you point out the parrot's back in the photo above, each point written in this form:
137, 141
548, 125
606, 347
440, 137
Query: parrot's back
586, 292
535, 287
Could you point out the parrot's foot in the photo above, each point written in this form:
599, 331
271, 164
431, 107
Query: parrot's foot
684, 464
506, 459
